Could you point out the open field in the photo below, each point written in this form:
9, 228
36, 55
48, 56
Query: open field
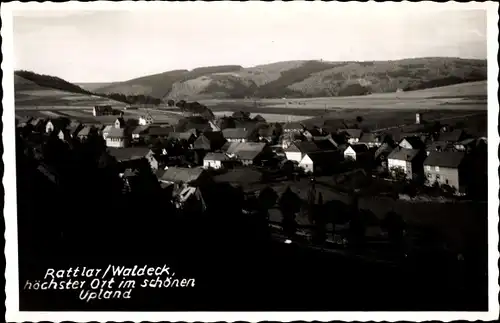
466, 96
84, 115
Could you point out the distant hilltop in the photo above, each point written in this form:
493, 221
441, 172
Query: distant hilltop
300, 79
291, 79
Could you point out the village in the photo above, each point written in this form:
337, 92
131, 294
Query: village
428, 162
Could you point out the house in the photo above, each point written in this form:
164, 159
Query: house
370, 140
140, 132
209, 141
259, 118
156, 160
466, 145
353, 152
438, 146
319, 161
106, 130
130, 157
381, 154
191, 176
214, 160
102, 110
118, 136
235, 134
407, 161
187, 136
445, 168
38, 124
452, 136
412, 143
353, 135
160, 132
249, 153
86, 132
54, 125
297, 150
146, 120
315, 134
74, 128
293, 127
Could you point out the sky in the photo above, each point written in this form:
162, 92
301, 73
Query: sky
117, 45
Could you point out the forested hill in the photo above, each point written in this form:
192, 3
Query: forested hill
311, 78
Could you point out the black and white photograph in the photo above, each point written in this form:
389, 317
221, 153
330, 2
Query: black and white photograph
251, 161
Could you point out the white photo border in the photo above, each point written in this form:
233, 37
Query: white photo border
9, 180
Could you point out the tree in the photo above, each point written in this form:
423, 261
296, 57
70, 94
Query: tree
170, 103
395, 227
267, 199
181, 104
319, 220
359, 119
289, 204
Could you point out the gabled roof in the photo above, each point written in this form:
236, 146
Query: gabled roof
181, 174
369, 137
325, 144
37, 121
121, 121
74, 127
259, 118
210, 140
451, 136
449, 159
293, 126
117, 133
107, 129
160, 131
323, 157
358, 148
385, 149
181, 135
140, 130
400, 153
235, 133
415, 142
249, 150
302, 146
352, 133
87, 130
216, 156
122, 154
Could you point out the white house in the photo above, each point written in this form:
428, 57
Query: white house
353, 135
353, 151
117, 137
297, 150
319, 161
214, 160
408, 161
146, 120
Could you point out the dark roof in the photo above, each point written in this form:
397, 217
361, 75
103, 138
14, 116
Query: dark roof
415, 142
216, 156
235, 133
259, 118
293, 126
385, 149
210, 140
87, 130
352, 133
180, 174
451, 136
439, 146
448, 159
74, 128
359, 148
117, 133
369, 137
325, 144
316, 132
121, 120
160, 131
403, 154
303, 147
323, 157
239, 176
140, 130
181, 135
122, 154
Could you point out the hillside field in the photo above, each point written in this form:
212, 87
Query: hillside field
298, 79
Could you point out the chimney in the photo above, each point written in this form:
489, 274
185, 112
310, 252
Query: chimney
417, 118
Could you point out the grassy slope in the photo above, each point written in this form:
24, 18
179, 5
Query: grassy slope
158, 85
29, 93
305, 79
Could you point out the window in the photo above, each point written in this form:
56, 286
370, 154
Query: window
428, 168
429, 175
446, 181
437, 177
437, 168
